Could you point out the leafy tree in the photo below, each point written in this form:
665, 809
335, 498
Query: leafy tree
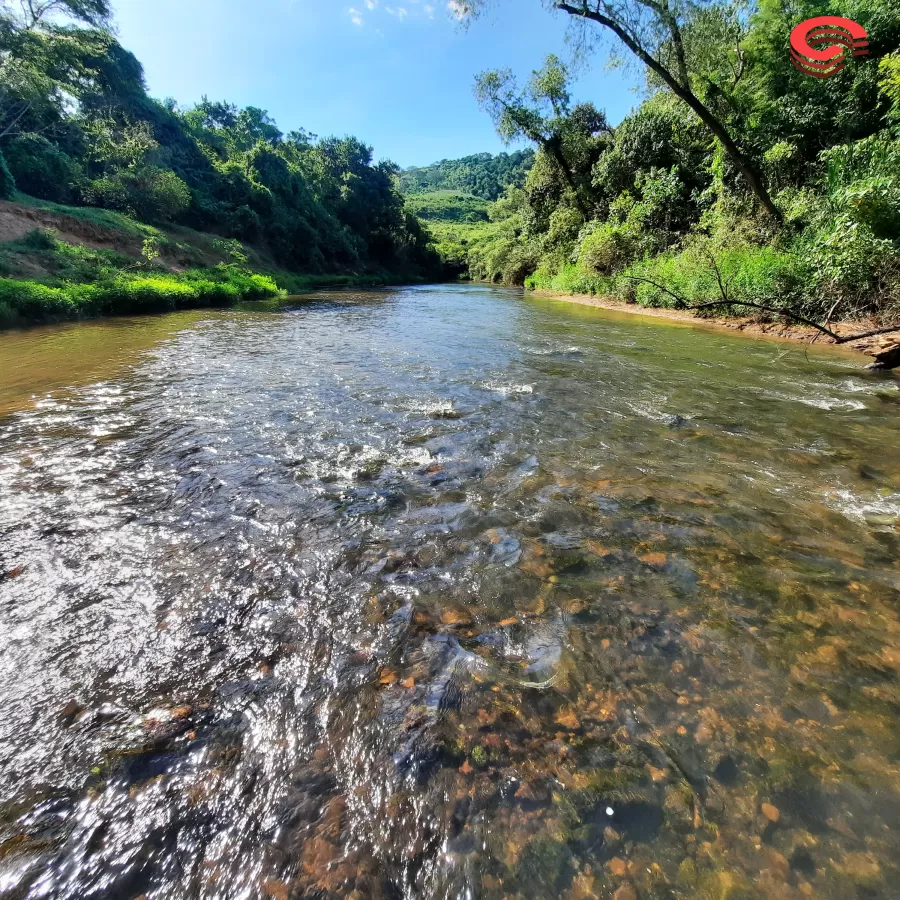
41, 169
658, 33
542, 114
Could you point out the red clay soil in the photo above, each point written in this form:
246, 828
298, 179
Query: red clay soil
16, 221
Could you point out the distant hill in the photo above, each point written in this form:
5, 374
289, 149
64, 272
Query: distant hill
448, 206
482, 175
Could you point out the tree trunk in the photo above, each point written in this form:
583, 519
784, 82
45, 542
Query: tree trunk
743, 164
553, 148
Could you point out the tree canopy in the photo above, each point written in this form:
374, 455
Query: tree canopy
77, 126
734, 159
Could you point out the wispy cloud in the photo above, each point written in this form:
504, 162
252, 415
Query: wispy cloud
370, 11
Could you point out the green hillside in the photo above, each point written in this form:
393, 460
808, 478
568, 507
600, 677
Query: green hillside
482, 175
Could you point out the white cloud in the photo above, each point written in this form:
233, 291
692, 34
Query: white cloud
411, 11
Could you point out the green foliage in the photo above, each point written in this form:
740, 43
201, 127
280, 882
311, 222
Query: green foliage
148, 193
481, 175
660, 200
126, 294
607, 247
448, 206
77, 128
42, 169
754, 274
889, 70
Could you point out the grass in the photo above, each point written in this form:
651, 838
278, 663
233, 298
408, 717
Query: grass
44, 279
758, 274
47, 279
130, 293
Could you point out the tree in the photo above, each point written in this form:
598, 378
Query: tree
543, 114
654, 32
31, 14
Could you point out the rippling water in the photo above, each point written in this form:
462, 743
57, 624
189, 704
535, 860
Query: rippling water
442, 592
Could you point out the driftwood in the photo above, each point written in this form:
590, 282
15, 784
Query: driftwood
890, 359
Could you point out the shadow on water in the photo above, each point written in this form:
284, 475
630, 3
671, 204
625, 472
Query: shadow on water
444, 592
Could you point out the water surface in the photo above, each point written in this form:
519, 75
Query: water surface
445, 593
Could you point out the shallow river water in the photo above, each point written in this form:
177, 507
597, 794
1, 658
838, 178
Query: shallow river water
445, 593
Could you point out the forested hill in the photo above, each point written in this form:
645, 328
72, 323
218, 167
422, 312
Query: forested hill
481, 175
77, 127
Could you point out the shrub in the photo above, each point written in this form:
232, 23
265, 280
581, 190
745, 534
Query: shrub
147, 192
754, 274
29, 300
848, 262
570, 279
606, 248
42, 169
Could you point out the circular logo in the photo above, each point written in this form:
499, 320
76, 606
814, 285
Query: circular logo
819, 46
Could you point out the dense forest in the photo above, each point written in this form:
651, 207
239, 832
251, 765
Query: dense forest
738, 179
481, 175
78, 128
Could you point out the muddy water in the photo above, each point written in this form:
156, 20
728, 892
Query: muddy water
440, 593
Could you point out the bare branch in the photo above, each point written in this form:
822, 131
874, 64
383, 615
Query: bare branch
867, 334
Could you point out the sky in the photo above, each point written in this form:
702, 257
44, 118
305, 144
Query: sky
397, 74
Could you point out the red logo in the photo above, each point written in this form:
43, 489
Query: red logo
819, 46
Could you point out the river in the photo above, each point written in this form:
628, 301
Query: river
444, 592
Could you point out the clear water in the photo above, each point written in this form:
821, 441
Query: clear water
445, 592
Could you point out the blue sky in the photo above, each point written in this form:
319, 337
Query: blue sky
396, 73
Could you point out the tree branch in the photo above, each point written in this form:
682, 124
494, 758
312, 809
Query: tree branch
685, 94
788, 314
867, 334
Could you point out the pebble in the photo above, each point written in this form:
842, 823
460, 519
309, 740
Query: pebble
770, 812
618, 867
626, 892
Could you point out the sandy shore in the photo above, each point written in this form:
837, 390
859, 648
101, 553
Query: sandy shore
877, 347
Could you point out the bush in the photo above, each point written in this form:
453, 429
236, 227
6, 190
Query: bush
7, 182
570, 279
41, 169
131, 293
754, 274
29, 300
849, 262
147, 192
606, 248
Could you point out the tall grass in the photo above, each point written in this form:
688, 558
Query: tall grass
129, 294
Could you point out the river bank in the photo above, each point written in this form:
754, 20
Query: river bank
61, 263
883, 349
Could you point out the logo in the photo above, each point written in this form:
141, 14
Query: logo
819, 46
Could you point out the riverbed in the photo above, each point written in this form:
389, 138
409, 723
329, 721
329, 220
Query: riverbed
444, 592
